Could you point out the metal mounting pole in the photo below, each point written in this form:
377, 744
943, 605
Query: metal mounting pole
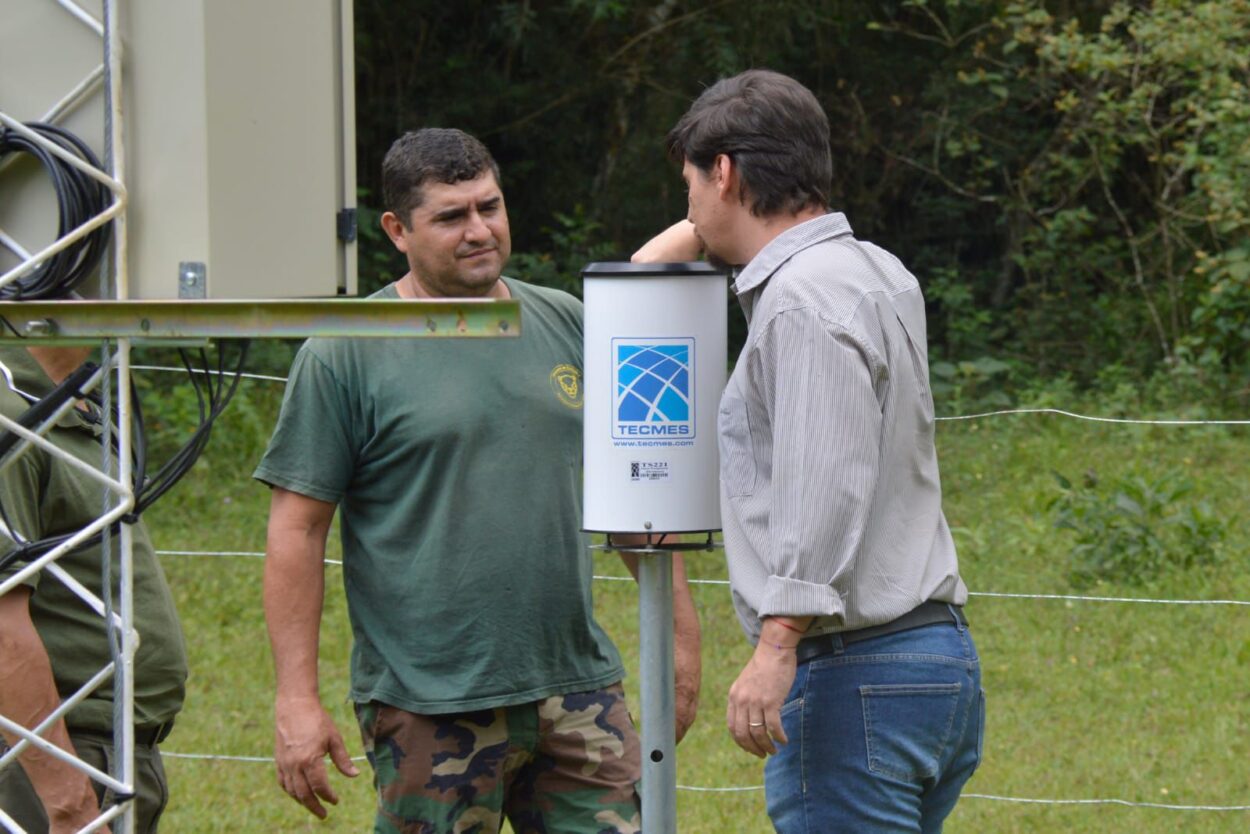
658, 675
124, 731
124, 677
655, 627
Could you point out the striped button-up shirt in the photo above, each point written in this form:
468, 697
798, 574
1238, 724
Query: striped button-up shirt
830, 497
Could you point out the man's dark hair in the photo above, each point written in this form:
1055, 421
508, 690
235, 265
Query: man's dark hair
432, 154
773, 129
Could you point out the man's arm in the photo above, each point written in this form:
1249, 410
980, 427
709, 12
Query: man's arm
28, 698
675, 244
818, 383
294, 594
687, 648
826, 421
687, 637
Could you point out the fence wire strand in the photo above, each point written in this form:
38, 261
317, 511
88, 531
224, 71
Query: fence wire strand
202, 371
603, 578
1134, 421
1138, 421
756, 788
1059, 597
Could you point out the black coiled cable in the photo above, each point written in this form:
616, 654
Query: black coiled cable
79, 198
214, 388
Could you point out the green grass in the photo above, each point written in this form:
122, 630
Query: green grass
1146, 703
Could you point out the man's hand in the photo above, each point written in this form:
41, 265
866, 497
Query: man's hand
754, 712
294, 591
686, 708
755, 699
67, 794
80, 810
304, 733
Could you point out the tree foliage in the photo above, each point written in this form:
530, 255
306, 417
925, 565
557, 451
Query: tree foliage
1114, 152
1069, 180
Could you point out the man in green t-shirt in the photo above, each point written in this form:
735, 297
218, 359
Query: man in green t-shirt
483, 686
50, 635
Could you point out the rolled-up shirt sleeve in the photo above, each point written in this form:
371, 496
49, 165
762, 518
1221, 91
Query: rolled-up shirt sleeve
818, 389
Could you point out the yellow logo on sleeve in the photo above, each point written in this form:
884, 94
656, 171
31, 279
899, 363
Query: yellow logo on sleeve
566, 382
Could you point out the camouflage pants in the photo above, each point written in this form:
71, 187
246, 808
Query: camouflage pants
567, 764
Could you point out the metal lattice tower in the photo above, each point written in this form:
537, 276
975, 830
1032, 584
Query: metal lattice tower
118, 323
120, 496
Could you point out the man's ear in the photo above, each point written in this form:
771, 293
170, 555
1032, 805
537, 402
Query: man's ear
394, 228
726, 175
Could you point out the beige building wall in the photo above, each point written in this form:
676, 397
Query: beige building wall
239, 139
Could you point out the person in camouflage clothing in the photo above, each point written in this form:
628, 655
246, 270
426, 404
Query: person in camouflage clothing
483, 686
583, 739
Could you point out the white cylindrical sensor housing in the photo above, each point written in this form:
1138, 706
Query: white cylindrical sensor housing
656, 348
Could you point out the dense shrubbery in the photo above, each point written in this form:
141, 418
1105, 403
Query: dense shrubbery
1070, 181
1136, 527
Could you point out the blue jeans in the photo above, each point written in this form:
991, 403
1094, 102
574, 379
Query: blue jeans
883, 735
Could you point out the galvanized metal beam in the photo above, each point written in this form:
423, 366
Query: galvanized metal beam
62, 322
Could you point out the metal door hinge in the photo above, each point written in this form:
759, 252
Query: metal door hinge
346, 225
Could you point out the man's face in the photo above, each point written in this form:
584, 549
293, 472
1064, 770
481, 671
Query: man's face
703, 206
458, 239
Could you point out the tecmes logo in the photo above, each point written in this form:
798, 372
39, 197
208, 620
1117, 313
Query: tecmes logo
654, 388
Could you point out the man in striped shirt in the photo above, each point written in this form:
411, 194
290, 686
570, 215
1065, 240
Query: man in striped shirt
864, 689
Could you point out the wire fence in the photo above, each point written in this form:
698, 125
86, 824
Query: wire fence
1059, 412
1132, 421
257, 554
732, 789
756, 788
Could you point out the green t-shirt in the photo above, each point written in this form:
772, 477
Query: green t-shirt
45, 496
456, 465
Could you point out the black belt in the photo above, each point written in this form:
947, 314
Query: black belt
146, 736
926, 613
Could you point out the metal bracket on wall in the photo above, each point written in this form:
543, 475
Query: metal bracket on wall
68, 322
